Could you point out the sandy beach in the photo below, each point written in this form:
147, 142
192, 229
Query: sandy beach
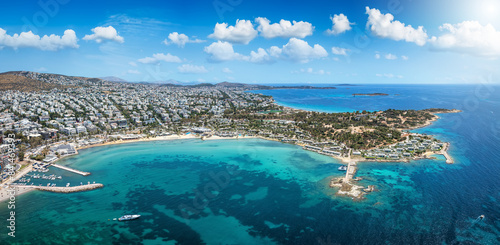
19, 190
170, 137
117, 142
5, 188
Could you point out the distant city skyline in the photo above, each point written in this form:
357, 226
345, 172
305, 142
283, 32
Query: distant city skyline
322, 42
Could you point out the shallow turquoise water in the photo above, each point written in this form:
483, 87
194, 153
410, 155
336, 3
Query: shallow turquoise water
263, 192
162, 180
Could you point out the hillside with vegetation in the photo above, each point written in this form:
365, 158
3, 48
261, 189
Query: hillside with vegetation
357, 130
12, 81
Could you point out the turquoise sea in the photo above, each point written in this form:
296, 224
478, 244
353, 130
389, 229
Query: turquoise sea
263, 192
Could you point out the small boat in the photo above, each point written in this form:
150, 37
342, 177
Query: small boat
129, 217
480, 218
342, 168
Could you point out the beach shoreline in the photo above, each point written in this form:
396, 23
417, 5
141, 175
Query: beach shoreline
165, 138
4, 194
4, 188
19, 190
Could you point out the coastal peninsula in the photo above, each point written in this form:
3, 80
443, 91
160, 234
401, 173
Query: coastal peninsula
86, 112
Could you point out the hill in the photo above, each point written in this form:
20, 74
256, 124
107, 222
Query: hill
12, 81
27, 81
113, 79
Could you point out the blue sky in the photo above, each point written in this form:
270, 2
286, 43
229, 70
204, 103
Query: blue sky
327, 42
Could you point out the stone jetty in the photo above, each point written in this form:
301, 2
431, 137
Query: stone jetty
444, 151
66, 189
346, 187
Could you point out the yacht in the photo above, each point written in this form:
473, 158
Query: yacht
129, 217
342, 168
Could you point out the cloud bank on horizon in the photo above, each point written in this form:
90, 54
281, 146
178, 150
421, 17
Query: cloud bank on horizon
255, 47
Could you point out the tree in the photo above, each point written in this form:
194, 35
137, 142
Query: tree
45, 151
21, 155
35, 141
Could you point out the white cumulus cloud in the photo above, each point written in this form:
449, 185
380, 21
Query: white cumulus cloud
468, 37
340, 24
384, 26
227, 70
243, 32
296, 50
390, 57
312, 71
284, 28
191, 69
222, 51
340, 51
261, 56
180, 39
300, 51
275, 51
30, 40
377, 56
104, 34
156, 58
404, 57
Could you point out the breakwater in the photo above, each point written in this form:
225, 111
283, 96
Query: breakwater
68, 189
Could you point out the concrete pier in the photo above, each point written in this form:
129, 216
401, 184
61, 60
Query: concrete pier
448, 158
71, 170
444, 152
65, 189
351, 170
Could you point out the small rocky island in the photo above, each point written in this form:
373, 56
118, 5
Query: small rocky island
371, 94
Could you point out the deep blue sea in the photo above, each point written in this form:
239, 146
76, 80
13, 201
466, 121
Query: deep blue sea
263, 192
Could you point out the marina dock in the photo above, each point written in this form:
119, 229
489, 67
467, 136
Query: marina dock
71, 170
65, 189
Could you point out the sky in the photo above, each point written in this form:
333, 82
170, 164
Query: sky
323, 42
